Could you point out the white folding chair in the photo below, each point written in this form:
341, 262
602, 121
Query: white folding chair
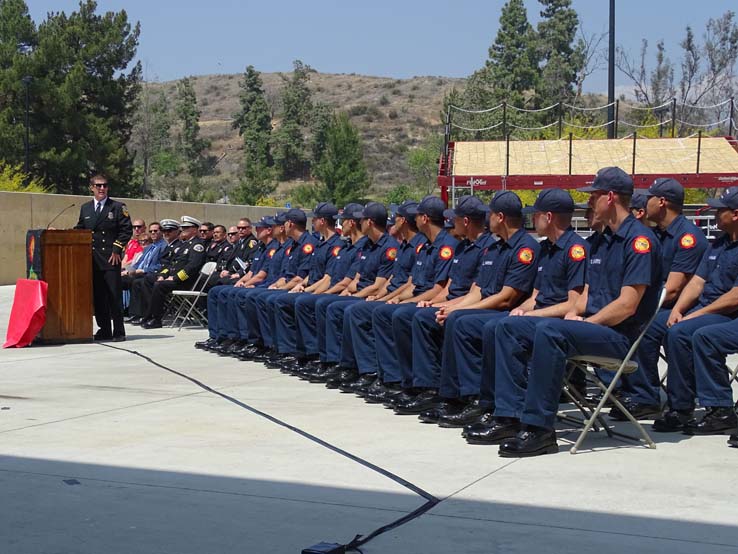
188, 298
620, 367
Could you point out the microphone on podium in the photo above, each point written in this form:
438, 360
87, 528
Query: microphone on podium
72, 205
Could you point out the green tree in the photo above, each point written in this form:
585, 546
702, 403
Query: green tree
399, 193
151, 141
288, 139
342, 169
12, 179
191, 145
423, 164
254, 124
82, 90
320, 122
559, 52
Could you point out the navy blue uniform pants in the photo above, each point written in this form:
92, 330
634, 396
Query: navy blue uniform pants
711, 345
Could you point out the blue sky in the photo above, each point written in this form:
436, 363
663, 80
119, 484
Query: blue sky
388, 38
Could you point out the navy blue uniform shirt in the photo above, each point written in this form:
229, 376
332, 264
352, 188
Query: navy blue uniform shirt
324, 255
339, 266
433, 262
260, 258
466, 263
511, 263
719, 269
562, 266
300, 256
405, 261
629, 257
683, 244
377, 260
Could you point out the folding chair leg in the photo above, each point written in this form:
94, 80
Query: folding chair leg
187, 315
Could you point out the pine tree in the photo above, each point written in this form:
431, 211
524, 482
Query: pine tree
342, 169
561, 55
288, 140
191, 146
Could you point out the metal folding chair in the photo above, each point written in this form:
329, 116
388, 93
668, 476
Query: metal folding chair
188, 298
620, 367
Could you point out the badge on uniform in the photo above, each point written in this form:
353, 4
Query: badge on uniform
198, 248
525, 256
577, 253
446, 253
687, 241
641, 245
111, 215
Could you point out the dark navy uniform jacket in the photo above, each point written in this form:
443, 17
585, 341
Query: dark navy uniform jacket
405, 261
719, 269
683, 244
433, 262
562, 266
187, 260
629, 257
300, 256
324, 256
111, 230
220, 253
466, 263
377, 260
168, 255
242, 255
511, 263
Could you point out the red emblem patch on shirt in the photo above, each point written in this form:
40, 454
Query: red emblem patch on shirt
271, 252
419, 248
307, 249
525, 256
287, 252
687, 241
577, 253
391, 254
641, 245
335, 251
446, 253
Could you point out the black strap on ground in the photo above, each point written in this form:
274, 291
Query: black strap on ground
359, 540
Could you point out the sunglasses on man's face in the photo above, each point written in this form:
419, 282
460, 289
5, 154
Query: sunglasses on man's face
232, 234
138, 226
244, 227
203, 231
100, 185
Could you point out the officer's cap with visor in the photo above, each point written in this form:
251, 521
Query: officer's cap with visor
507, 203
296, 215
611, 179
169, 224
468, 206
728, 199
432, 206
188, 221
373, 210
552, 200
668, 188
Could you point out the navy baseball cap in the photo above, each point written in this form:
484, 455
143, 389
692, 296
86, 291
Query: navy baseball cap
403, 209
638, 200
349, 209
468, 206
265, 221
728, 199
279, 218
611, 179
295, 215
552, 200
449, 224
666, 187
373, 210
506, 202
325, 209
432, 206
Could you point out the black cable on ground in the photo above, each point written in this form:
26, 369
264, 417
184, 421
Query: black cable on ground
359, 540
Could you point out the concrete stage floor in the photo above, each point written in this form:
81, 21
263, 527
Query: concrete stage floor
103, 452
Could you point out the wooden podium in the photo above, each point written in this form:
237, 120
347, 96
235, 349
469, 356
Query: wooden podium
66, 260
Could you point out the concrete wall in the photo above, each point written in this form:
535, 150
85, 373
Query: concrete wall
20, 211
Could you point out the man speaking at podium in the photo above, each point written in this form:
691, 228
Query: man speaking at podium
111, 229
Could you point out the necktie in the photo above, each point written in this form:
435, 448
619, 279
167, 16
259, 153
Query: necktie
98, 209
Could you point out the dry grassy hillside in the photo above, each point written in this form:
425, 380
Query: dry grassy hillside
393, 115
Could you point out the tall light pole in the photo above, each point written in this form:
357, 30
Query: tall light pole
26, 83
611, 75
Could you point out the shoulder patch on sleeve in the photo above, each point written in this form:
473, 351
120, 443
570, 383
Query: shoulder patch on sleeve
335, 251
271, 252
446, 253
419, 248
287, 252
198, 248
307, 248
577, 253
391, 253
124, 210
252, 243
687, 241
526, 256
641, 245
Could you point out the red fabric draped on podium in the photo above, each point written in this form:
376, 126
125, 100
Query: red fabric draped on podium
28, 315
